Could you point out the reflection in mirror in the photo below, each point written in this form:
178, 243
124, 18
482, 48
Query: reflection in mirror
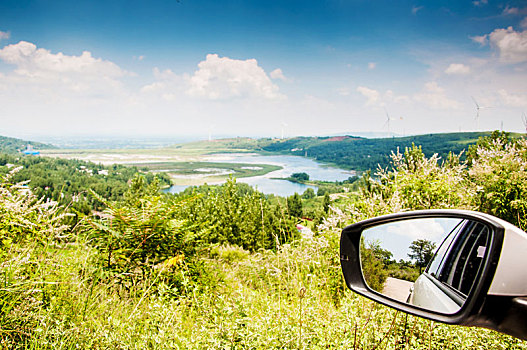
427, 262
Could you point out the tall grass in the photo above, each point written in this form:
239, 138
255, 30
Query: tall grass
55, 293
53, 298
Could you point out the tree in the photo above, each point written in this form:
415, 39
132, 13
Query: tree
422, 251
294, 205
309, 193
326, 202
373, 268
300, 177
380, 253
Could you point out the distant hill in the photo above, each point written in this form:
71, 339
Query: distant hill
361, 154
13, 145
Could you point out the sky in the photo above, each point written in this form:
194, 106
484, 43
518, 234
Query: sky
261, 68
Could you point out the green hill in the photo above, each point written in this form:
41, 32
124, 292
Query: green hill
14, 145
361, 154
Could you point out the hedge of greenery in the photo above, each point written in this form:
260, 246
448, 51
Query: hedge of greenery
224, 268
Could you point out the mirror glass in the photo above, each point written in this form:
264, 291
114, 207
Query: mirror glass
432, 263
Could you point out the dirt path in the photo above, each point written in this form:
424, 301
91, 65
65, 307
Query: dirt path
397, 289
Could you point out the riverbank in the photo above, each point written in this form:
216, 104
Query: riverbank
214, 162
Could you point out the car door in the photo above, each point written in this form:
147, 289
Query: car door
449, 278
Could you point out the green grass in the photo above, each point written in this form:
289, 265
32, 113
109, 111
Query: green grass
198, 173
193, 168
292, 299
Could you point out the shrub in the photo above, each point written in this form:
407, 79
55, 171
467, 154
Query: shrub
139, 235
25, 217
499, 172
415, 182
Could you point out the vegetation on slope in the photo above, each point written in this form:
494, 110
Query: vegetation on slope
14, 145
188, 271
68, 181
363, 154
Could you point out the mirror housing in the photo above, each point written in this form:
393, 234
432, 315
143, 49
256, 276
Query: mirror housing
498, 299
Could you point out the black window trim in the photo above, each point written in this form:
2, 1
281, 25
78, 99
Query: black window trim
456, 296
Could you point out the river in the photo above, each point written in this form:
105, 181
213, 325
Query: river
289, 164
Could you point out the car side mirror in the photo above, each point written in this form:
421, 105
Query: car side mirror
452, 266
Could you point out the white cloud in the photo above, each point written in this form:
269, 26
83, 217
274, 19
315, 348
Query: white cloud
166, 74
278, 74
34, 62
511, 10
435, 97
430, 229
223, 78
481, 39
54, 92
457, 69
370, 94
4, 35
372, 65
512, 45
168, 85
433, 87
416, 9
512, 100
523, 23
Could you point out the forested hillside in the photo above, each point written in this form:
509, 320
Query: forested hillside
364, 154
13, 145
68, 181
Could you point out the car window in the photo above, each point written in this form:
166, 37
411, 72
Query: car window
465, 252
436, 262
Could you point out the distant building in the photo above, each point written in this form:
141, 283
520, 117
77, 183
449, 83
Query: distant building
30, 151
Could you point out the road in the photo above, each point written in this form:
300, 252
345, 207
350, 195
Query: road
397, 289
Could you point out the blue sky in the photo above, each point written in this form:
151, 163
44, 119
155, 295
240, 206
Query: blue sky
259, 67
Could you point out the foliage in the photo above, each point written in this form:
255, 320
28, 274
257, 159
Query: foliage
299, 177
362, 154
13, 145
487, 142
229, 253
134, 239
373, 266
309, 193
24, 217
228, 214
294, 205
222, 267
67, 181
499, 173
403, 271
421, 251
326, 203
415, 182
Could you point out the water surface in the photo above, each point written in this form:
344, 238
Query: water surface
290, 164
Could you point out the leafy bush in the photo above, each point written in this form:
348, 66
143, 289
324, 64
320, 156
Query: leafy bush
300, 177
415, 182
25, 217
225, 215
499, 173
373, 268
228, 253
139, 235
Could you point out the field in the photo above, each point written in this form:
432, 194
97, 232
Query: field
194, 173
186, 164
